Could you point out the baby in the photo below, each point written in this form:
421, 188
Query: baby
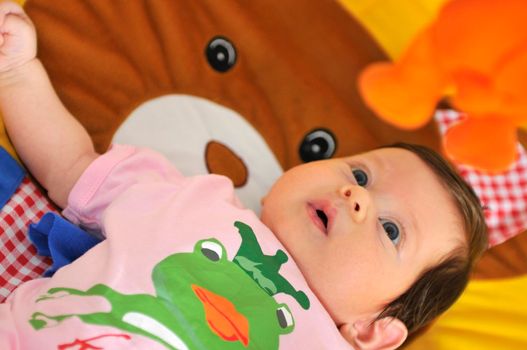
349, 253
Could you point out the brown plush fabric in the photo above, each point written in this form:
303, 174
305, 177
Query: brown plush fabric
508, 259
296, 71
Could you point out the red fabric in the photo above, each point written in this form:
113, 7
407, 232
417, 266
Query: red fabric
19, 261
504, 195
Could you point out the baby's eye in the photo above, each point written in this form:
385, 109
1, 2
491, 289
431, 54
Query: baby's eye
392, 231
361, 177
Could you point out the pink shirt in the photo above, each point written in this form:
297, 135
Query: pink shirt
183, 266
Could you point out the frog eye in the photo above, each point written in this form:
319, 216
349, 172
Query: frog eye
221, 54
285, 318
211, 250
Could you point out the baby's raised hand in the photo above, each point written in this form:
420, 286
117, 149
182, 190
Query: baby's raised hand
17, 37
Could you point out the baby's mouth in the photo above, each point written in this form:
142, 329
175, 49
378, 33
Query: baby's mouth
323, 217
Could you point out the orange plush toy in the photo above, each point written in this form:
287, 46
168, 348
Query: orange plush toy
474, 54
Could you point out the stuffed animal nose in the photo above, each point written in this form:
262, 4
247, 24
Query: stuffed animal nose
358, 199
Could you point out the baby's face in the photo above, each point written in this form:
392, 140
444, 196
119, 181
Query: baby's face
363, 228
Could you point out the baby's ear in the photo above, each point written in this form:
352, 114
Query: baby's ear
385, 334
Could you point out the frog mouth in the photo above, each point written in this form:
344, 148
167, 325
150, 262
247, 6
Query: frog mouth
222, 317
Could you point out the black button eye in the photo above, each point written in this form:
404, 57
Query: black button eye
317, 144
221, 54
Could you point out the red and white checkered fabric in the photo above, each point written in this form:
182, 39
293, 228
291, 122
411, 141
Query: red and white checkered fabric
19, 261
504, 195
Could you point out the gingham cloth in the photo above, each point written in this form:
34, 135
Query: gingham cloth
503, 195
19, 261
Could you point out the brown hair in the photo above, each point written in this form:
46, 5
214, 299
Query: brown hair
439, 286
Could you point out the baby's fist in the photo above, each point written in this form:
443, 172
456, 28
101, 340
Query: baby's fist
17, 37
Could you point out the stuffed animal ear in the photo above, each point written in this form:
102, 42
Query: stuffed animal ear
384, 334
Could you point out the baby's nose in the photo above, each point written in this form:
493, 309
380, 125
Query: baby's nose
358, 199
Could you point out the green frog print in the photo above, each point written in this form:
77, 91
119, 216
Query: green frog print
202, 300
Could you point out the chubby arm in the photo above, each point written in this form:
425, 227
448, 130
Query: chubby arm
50, 141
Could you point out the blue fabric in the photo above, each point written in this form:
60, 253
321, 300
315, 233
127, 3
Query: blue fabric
11, 175
59, 239
53, 236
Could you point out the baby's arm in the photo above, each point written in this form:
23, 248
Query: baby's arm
52, 144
